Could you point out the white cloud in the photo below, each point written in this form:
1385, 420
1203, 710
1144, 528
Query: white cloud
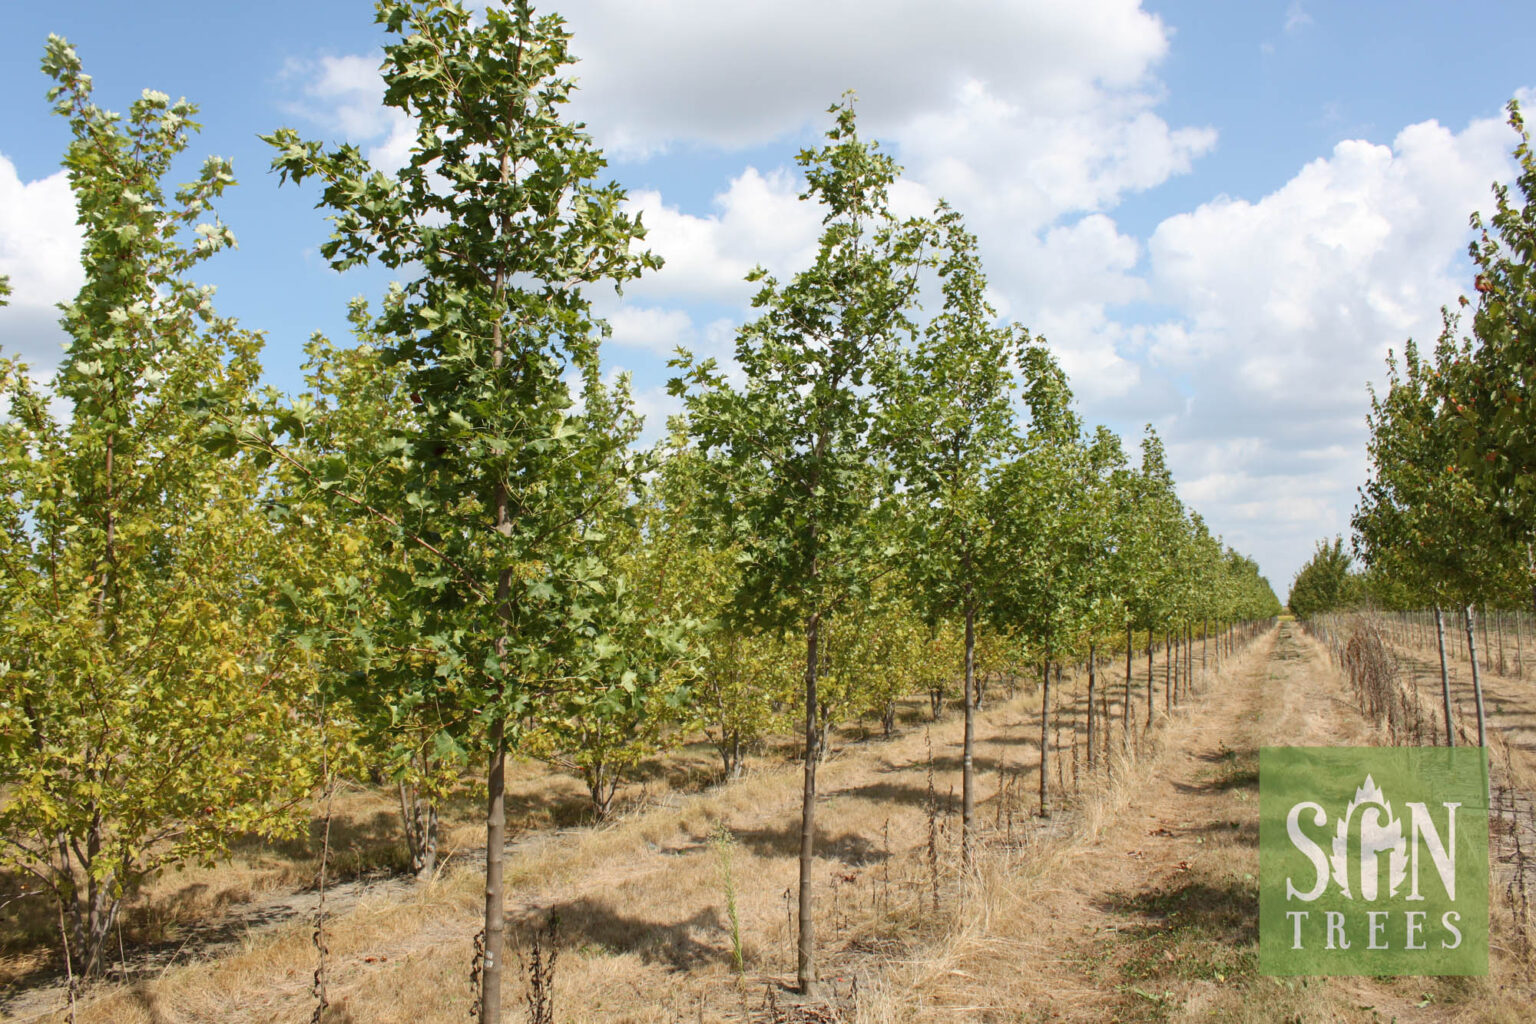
346, 95
658, 331
1025, 168
1288, 306
758, 220
1020, 114
739, 74
1296, 17
40, 253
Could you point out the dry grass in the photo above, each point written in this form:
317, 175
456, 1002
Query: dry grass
1151, 913
1136, 901
640, 902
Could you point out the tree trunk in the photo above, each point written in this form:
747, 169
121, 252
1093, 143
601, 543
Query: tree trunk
729, 748
1498, 632
496, 779
601, 785
1477, 679
1519, 649
1151, 682
1168, 673
823, 727
419, 815
1445, 678
1189, 658
1482, 619
495, 849
1045, 739
805, 954
1092, 688
967, 770
92, 907
1125, 712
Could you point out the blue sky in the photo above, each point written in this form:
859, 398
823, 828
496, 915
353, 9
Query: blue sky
1221, 215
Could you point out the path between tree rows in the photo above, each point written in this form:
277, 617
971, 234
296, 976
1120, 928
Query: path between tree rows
1155, 917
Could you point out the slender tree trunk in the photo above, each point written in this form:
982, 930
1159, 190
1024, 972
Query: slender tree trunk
1477, 679
1519, 649
1151, 682
1130, 648
1189, 658
1530, 562
495, 850
1205, 643
730, 750
1168, 673
805, 957
1445, 678
1092, 688
1498, 632
967, 772
496, 778
419, 814
1482, 621
1184, 662
1045, 739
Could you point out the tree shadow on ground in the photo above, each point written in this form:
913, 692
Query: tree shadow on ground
681, 945
886, 793
849, 848
1234, 770
1193, 928
1243, 833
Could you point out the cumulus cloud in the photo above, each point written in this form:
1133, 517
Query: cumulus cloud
1289, 304
1295, 299
345, 95
40, 253
1020, 114
1025, 167
680, 71
757, 219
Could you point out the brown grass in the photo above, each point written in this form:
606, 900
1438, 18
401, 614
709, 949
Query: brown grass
1135, 901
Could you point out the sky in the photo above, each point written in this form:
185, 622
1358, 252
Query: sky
1221, 216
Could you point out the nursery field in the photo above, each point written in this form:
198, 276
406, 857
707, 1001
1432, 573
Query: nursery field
1135, 900
831, 664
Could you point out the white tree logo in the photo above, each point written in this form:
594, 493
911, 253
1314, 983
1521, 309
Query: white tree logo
1380, 832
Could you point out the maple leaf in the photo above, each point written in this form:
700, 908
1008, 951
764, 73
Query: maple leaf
1379, 836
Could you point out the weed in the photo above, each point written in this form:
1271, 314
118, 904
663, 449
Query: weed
723, 842
543, 954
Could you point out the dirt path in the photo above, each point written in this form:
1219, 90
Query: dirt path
1156, 916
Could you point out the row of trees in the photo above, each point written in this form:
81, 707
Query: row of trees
1447, 517
452, 545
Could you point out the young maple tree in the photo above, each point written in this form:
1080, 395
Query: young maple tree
498, 223
805, 470
951, 429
